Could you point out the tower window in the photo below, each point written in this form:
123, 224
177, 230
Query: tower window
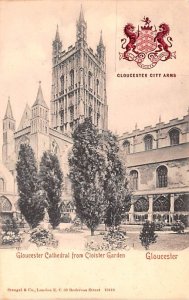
72, 77
89, 79
62, 117
161, 176
97, 86
62, 83
174, 137
134, 180
126, 146
148, 141
71, 114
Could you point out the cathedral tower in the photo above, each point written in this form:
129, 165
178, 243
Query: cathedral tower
8, 149
78, 82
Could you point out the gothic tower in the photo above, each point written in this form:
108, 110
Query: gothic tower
39, 138
78, 82
8, 149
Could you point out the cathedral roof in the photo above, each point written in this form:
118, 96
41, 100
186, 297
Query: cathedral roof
8, 113
40, 100
26, 117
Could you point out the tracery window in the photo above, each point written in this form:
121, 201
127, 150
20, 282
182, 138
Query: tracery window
126, 146
90, 80
161, 176
62, 83
134, 180
174, 137
97, 87
72, 78
5, 204
148, 141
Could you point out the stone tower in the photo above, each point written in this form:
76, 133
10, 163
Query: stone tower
39, 137
78, 82
8, 149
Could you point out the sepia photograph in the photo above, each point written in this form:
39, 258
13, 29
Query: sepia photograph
94, 149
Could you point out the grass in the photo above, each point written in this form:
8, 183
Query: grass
166, 240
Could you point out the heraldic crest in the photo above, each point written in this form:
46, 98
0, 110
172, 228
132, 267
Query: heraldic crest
147, 46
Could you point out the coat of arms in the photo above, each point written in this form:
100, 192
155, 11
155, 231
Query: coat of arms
147, 46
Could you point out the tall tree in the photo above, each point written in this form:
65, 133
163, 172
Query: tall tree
51, 179
31, 197
87, 164
115, 184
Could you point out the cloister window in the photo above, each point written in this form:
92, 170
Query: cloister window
174, 137
162, 176
2, 185
148, 141
134, 180
126, 146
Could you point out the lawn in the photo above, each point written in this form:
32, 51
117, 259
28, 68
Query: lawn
166, 241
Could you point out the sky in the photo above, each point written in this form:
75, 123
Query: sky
27, 29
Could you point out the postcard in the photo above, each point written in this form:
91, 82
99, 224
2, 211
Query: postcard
94, 134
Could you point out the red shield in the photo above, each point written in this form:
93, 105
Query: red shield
145, 42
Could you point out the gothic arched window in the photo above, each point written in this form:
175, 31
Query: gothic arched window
5, 204
148, 141
174, 136
89, 79
126, 146
97, 86
161, 204
134, 180
62, 83
72, 78
161, 176
2, 185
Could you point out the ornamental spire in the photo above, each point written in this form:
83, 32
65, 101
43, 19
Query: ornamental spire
8, 113
57, 36
81, 15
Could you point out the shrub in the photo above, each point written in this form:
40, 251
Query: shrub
43, 237
113, 240
116, 239
10, 237
147, 235
159, 226
10, 225
178, 227
10, 232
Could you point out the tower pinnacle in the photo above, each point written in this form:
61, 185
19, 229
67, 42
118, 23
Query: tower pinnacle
39, 99
81, 16
57, 36
101, 40
8, 113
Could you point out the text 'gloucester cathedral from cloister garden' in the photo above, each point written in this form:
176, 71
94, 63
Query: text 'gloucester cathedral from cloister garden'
157, 158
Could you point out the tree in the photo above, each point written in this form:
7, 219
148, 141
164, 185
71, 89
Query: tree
115, 184
51, 179
147, 235
87, 164
31, 197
